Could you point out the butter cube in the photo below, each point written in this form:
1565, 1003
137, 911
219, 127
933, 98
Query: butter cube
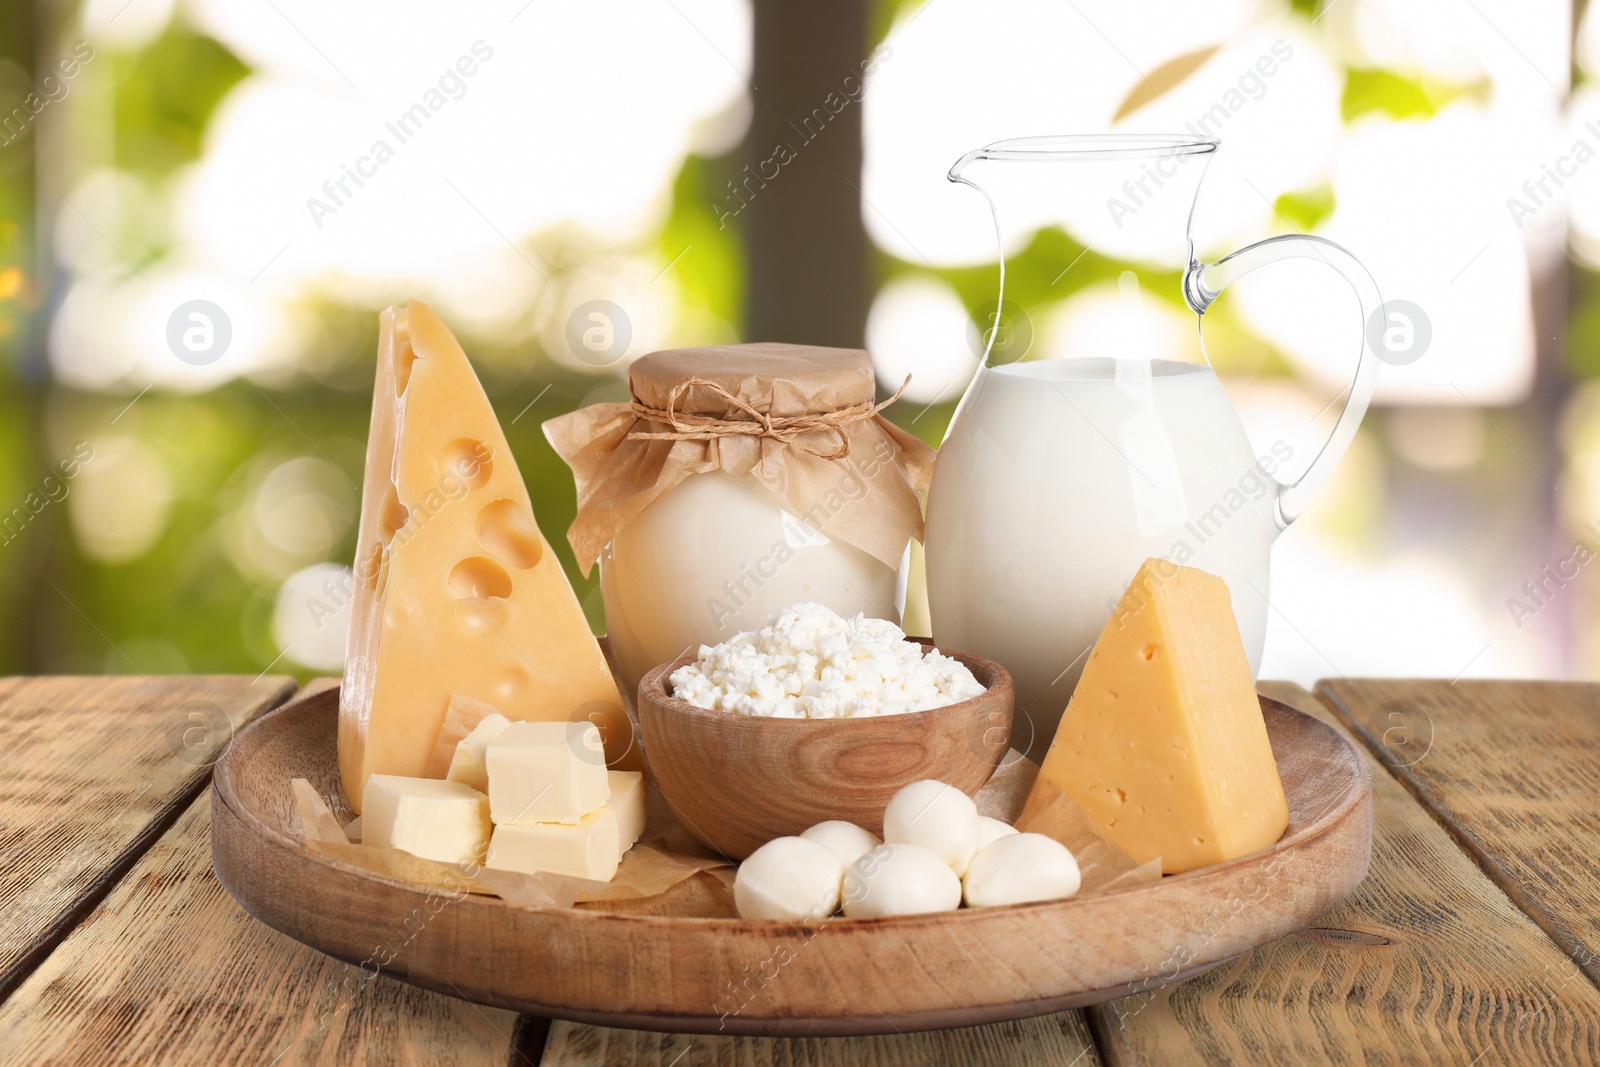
626, 800
590, 848
546, 772
467, 766
426, 817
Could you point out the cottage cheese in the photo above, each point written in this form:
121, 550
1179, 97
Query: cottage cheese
813, 664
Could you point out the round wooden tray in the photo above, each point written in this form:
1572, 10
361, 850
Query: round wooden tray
634, 964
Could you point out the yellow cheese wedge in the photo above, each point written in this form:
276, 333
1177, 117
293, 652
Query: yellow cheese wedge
1163, 745
456, 590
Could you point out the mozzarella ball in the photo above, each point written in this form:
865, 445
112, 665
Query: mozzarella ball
992, 830
1020, 869
899, 880
788, 878
844, 839
937, 817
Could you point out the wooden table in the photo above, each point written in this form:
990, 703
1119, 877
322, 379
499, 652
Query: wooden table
1474, 940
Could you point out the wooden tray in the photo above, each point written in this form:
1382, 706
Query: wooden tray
637, 964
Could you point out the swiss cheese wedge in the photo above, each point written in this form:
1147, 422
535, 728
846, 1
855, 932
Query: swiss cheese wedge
1163, 745
456, 590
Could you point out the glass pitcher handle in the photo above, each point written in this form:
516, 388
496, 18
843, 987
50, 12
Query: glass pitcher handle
1204, 281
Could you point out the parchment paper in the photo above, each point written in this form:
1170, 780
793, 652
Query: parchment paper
667, 854
660, 860
868, 499
461, 716
1101, 863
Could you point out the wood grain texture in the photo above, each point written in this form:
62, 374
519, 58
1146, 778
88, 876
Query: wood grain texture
1061, 1040
1513, 771
738, 781
168, 969
92, 771
689, 972
1429, 962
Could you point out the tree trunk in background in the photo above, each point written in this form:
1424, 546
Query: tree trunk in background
1552, 390
797, 199
22, 360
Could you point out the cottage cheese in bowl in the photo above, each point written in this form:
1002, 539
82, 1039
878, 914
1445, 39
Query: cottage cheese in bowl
813, 664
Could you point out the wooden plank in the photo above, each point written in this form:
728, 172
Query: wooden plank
1429, 962
1512, 769
168, 969
1062, 1039
92, 771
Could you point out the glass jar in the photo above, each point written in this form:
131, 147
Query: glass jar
740, 480
717, 555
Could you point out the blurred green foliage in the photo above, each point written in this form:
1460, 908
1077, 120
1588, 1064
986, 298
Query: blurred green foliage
185, 602
1306, 207
165, 93
1400, 97
1583, 324
706, 259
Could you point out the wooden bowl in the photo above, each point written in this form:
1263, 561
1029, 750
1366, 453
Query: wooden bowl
738, 781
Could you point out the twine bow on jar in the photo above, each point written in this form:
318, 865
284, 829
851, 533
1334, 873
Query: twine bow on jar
814, 404
687, 426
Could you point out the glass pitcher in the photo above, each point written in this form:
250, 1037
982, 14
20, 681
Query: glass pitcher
1059, 477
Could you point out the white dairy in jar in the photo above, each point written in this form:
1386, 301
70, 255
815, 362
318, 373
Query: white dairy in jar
736, 481
718, 555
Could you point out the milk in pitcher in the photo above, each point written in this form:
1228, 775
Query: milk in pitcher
1064, 477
